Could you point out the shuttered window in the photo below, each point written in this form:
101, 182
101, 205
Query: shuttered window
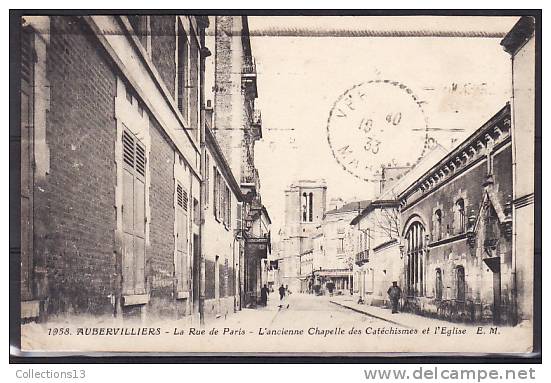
207, 179
221, 199
182, 239
238, 218
215, 193
227, 203
133, 213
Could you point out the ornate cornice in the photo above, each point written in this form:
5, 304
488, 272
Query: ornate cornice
492, 134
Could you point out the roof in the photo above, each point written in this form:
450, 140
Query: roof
486, 130
350, 207
382, 203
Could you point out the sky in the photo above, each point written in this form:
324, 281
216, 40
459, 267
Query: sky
460, 81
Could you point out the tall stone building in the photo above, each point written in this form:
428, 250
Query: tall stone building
237, 126
305, 203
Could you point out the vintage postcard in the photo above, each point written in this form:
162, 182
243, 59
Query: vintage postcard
277, 185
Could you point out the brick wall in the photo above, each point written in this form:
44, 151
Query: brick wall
75, 215
224, 84
163, 48
160, 256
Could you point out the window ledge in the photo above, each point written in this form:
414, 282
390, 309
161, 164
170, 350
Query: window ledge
182, 295
136, 299
452, 238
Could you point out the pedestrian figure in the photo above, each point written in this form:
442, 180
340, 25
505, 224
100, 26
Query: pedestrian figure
287, 291
281, 292
264, 295
394, 294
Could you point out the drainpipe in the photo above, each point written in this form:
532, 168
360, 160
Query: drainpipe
204, 53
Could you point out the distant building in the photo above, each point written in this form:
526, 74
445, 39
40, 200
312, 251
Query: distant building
377, 260
304, 210
334, 265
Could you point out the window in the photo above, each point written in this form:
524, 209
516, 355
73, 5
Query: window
437, 225
222, 199
196, 212
460, 283
307, 207
184, 74
215, 185
439, 285
340, 245
228, 207
217, 287
133, 213
460, 216
415, 236
304, 207
194, 87
182, 239
207, 179
310, 207
238, 218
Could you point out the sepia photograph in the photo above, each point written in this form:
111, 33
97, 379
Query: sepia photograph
276, 184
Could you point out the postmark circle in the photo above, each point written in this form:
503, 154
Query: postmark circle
375, 124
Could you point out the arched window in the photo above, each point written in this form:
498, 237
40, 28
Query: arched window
439, 285
437, 225
415, 238
460, 283
304, 207
310, 207
460, 216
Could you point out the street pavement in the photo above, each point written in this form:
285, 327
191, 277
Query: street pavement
300, 323
297, 309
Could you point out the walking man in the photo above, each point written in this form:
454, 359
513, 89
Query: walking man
281, 292
394, 294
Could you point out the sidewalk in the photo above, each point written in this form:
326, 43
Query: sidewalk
401, 319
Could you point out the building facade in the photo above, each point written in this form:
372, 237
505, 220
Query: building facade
110, 157
304, 210
126, 187
237, 126
377, 260
521, 44
334, 265
456, 228
222, 201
